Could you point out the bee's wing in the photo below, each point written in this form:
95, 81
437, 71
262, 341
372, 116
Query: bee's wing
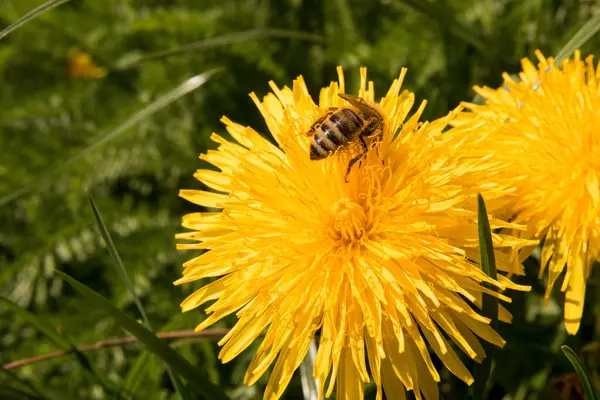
359, 103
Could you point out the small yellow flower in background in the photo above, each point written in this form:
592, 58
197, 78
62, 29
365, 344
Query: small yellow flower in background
377, 268
545, 131
81, 66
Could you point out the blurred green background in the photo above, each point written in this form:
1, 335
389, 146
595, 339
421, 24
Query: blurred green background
58, 139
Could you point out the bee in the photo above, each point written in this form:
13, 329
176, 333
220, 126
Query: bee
341, 126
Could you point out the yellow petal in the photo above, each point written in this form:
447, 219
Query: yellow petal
203, 198
574, 298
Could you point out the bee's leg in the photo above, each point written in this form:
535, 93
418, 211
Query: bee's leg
376, 126
379, 139
353, 161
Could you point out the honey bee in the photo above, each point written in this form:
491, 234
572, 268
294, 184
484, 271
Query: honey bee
341, 126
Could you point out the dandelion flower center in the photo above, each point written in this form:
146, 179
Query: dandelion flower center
377, 266
348, 221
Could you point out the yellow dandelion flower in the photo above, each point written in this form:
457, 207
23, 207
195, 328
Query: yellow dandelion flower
81, 66
544, 131
377, 268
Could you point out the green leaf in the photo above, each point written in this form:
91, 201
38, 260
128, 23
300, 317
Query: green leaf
489, 305
160, 103
29, 389
588, 388
39, 323
134, 376
579, 39
123, 272
11, 393
60, 341
114, 254
488, 262
36, 12
218, 41
140, 369
178, 364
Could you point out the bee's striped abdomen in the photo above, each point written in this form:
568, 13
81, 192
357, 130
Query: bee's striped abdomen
344, 125
335, 131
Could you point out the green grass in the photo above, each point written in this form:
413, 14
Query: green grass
133, 139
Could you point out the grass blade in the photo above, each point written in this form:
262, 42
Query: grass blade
9, 392
39, 323
140, 369
586, 382
583, 35
310, 386
123, 272
36, 12
118, 262
178, 364
30, 389
60, 341
160, 103
489, 305
133, 378
488, 261
445, 20
219, 41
